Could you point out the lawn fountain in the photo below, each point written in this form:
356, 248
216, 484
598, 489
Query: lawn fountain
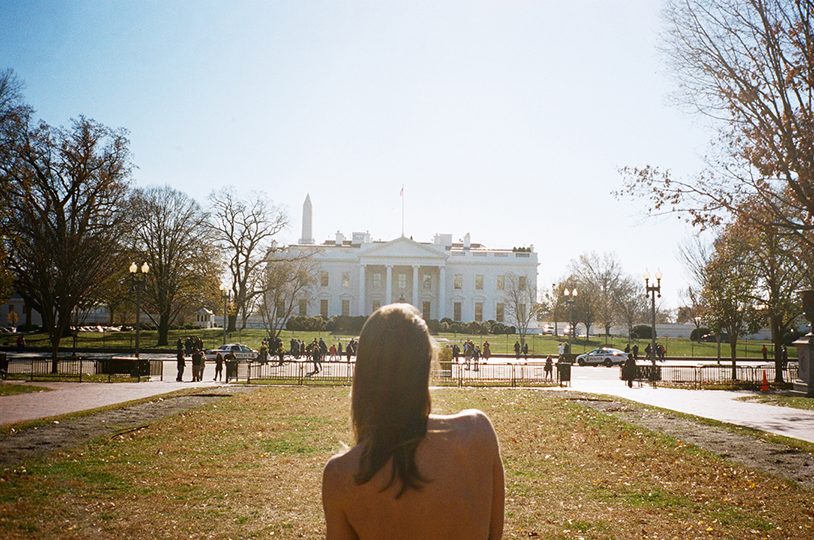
805, 349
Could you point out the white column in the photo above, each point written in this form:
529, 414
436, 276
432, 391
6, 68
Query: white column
415, 287
442, 300
362, 290
388, 287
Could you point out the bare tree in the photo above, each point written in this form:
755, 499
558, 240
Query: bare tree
170, 231
244, 229
63, 190
747, 65
286, 281
630, 303
522, 304
599, 278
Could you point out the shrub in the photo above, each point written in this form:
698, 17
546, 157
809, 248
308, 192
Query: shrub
642, 331
698, 333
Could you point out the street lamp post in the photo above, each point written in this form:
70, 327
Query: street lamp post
139, 275
224, 294
570, 300
653, 290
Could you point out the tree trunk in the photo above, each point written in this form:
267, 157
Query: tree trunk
163, 330
232, 323
777, 341
733, 347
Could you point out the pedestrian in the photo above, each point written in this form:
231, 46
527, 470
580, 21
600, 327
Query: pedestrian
218, 367
456, 352
487, 351
180, 363
629, 370
525, 351
196, 364
635, 351
468, 350
20, 343
661, 352
516, 350
179, 345
188, 346
765, 352
560, 349
549, 367
421, 474
476, 358
627, 349
316, 356
339, 351
333, 353
784, 357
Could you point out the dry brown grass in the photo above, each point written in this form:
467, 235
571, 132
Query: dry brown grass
250, 467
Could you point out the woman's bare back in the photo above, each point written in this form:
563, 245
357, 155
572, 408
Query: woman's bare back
463, 497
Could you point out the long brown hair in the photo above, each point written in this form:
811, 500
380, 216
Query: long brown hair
390, 401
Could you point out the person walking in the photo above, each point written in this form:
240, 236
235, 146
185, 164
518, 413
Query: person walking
549, 367
629, 370
635, 351
517, 350
765, 352
180, 363
218, 367
476, 358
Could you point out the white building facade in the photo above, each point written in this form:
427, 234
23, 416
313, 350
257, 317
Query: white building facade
460, 281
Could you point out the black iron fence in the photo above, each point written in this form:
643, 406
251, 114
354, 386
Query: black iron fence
713, 375
79, 368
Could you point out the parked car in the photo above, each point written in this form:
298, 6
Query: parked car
548, 330
603, 356
712, 338
241, 352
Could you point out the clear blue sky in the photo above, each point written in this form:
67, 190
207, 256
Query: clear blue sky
504, 119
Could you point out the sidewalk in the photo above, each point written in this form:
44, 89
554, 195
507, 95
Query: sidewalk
69, 397
719, 405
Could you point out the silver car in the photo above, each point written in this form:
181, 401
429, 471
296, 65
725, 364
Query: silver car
241, 352
603, 356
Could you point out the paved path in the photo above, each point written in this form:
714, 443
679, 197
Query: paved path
720, 405
69, 397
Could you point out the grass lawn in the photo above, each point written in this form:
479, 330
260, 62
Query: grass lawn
250, 467
7, 389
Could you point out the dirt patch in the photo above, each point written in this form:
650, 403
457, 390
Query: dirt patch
33, 442
776, 459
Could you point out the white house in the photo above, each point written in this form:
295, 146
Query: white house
463, 281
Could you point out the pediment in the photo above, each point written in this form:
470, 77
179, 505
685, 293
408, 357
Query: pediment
401, 250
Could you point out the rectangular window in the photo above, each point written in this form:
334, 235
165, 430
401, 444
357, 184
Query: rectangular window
459, 281
402, 281
479, 311
377, 280
427, 282
456, 312
323, 308
425, 312
346, 308
323, 279
501, 282
346, 279
303, 308
499, 316
521, 283
479, 283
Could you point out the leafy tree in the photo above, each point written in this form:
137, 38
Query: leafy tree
772, 261
170, 231
727, 291
243, 229
63, 191
746, 64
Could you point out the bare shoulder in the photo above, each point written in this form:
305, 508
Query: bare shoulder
470, 423
338, 475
